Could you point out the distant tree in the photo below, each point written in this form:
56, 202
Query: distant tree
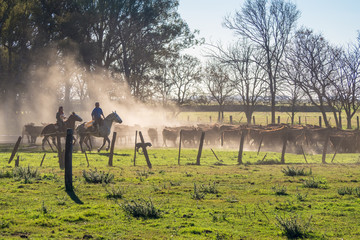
268, 25
247, 76
219, 85
317, 61
348, 84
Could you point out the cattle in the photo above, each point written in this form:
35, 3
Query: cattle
31, 132
153, 135
170, 134
125, 133
189, 136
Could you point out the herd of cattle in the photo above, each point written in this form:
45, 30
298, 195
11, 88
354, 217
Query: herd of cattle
299, 139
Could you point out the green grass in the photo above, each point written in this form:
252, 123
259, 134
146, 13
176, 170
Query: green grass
239, 202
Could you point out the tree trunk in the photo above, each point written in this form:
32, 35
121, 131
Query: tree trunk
348, 119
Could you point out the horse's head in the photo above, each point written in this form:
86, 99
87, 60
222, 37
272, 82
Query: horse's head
114, 117
74, 117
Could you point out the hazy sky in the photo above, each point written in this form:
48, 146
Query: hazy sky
337, 20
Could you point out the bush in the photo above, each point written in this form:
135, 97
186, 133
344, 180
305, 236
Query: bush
313, 183
211, 188
293, 227
6, 174
279, 190
294, 171
198, 194
345, 191
141, 209
26, 173
115, 192
98, 177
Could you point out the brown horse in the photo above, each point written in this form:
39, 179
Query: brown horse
52, 130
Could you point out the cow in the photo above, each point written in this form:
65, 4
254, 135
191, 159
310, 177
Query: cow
170, 134
153, 135
31, 132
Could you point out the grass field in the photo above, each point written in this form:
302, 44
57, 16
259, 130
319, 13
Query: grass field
263, 118
216, 200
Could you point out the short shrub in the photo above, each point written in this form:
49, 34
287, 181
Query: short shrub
301, 197
345, 191
279, 190
357, 192
27, 173
294, 171
115, 192
197, 194
268, 162
293, 227
93, 176
6, 174
314, 183
141, 209
210, 188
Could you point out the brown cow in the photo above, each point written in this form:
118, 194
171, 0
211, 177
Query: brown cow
153, 135
31, 132
170, 134
189, 136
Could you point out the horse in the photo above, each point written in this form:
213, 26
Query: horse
51, 130
103, 131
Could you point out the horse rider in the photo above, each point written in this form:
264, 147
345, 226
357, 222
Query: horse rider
60, 118
97, 115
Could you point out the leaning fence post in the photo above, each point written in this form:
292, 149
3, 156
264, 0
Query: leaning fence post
200, 148
145, 150
15, 149
42, 160
17, 161
68, 160
111, 155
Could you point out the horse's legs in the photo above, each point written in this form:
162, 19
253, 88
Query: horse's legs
87, 141
43, 143
108, 140
104, 141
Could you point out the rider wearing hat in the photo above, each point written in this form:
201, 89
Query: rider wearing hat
97, 115
60, 117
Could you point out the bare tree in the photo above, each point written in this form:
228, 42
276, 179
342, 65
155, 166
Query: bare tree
219, 85
317, 65
268, 24
348, 86
247, 76
185, 73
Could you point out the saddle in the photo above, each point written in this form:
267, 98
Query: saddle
89, 124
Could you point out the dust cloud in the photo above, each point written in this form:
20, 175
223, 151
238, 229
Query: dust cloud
49, 86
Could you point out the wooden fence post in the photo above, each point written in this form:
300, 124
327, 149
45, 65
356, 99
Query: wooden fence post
111, 155
231, 120
358, 122
200, 148
278, 119
323, 160
320, 121
254, 119
241, 147
17, 161
285, 138
299, 120
179, 147
15, 149
60, 152
145, 150
136, 133
210, 119
68, 160
42, 160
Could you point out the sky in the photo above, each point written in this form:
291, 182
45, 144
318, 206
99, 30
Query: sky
337, 20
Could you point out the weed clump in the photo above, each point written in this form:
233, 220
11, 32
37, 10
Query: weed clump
293, 227
280, 190
93, 176
115, 192
27, 173
197, 194
314, 183
211, 188
294, 171
6, 174
141, 209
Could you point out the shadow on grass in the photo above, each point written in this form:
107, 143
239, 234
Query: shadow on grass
73, 196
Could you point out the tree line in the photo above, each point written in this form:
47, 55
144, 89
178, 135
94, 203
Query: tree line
139, 46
